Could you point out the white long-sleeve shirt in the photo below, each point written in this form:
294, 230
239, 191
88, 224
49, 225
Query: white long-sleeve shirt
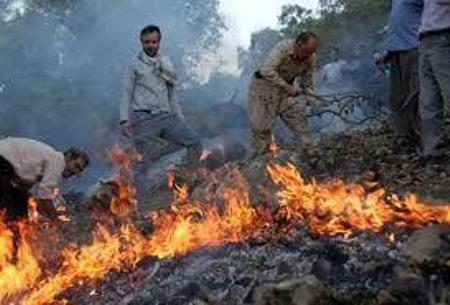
36, 164
150, 84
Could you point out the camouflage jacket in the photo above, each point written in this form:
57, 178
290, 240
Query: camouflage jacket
282, 69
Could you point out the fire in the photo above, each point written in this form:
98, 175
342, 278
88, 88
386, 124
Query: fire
124, 204
274, 147
340, 209
206, 153
181, 191
333, 208
19, 268
33, 213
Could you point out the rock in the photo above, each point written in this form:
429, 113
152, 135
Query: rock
306, 291
322, 269
428, 243
405, 290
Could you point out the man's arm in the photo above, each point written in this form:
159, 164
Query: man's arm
168, 73
307, 83
47, 191
128, 85
269, 68
174, 101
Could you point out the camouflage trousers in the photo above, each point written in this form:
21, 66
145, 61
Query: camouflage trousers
266, 104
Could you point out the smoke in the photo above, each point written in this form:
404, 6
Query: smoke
61, 80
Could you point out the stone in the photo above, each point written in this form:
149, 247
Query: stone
428, 243
305, 291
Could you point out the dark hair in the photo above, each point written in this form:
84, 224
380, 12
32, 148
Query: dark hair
75, 153
151, 29
305, 37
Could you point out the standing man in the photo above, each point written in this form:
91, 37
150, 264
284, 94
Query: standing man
434, 75
149, 109
403, 55
27, 164
273, 93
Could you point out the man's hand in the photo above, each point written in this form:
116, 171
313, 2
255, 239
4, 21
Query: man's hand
293, 91
126, 129
314, 103
381, 59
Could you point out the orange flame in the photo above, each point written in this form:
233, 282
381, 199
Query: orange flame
274, 147
124, 204
181, 192
21, 275
333, 208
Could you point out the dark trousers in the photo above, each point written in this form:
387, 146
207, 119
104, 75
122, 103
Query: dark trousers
13, 201
405, 93
434, 89
150, 129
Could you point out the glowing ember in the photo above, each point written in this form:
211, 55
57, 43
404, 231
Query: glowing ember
274, 147
181, 192
33, 214
331, 209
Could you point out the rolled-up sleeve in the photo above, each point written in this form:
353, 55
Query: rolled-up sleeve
269, 68
128, 85
48, 187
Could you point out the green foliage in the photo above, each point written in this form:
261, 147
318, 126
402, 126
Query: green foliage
65, 58
344, 26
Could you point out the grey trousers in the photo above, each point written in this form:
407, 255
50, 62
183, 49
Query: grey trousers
405, 93
150, 130
434, 89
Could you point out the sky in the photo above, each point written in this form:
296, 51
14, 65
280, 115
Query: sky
247, 16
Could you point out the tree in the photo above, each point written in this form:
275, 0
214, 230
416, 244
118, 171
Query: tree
66, 58
340, 24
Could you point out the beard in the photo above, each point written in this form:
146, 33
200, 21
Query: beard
151, 52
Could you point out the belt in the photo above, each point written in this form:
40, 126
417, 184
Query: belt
434, 33
144, 111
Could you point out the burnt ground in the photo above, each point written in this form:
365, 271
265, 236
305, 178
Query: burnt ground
302, 269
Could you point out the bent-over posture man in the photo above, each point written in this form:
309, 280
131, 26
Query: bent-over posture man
273, 93
149, 109
27, 164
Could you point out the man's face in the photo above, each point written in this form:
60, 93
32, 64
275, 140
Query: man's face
150, 43
74, 166
307, 49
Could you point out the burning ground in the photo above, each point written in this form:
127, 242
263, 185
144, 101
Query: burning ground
255, 232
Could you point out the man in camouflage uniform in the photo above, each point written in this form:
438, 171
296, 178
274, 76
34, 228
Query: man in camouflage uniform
273, 94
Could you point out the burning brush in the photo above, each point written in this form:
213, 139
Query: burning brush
328, 209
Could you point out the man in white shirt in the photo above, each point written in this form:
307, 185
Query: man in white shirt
26, 165
150, 111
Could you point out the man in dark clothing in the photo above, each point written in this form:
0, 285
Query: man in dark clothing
403, 56
13, 200
434, 75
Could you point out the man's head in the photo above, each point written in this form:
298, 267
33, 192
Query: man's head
150, 39
305, 45
76, 161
